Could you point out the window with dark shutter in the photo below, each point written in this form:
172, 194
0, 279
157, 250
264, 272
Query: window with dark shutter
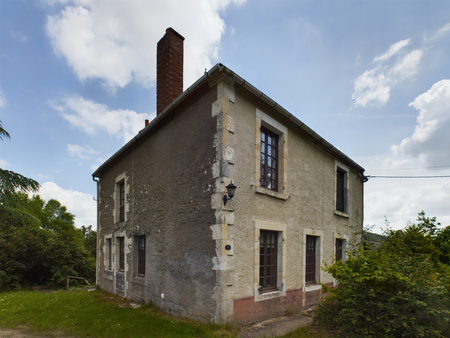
121, 253
109, 253
339, 248
141, 255
341, 190
121, 202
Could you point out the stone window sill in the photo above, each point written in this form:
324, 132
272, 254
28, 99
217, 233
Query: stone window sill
269, 295
340, 213
313, 287
268, 192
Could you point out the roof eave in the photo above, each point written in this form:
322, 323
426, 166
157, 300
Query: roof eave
217, 70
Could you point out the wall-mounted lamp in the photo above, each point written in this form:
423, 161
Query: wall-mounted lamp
231, 188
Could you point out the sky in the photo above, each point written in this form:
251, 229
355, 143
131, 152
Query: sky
77, 81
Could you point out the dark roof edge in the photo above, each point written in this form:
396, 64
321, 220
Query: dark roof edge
327, 146
220, 68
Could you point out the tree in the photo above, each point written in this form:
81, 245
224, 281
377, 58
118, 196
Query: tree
396, 289
39, 244
10, 182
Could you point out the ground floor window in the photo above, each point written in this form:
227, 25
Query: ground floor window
121, 243
268, 260
141, 255
108, 254
339, 249
311, 259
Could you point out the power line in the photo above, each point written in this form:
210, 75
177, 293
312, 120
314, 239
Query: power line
398, 169
412, 177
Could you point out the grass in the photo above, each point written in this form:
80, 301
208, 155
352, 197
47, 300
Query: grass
94, 314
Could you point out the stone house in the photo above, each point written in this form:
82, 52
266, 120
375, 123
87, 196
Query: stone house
166, 234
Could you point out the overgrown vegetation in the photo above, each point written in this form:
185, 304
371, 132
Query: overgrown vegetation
400, 288
94, 314
40, 245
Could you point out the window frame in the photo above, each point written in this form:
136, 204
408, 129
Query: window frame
311, 259
265, 122
280, 290
341, 198
121, 253
269, 152
108, 255
141, 245
121, 199
268, 261
315, 285
121, 186
339, 248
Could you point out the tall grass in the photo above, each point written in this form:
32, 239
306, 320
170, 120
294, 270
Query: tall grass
94, 314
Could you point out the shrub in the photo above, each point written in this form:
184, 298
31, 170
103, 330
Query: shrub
396, 290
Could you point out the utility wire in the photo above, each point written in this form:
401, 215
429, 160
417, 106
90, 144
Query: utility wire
414, 177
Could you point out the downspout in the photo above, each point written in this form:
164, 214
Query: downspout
97, 259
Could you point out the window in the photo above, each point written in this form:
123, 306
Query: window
121, 253
268, 260
141, 255
121, 187
311, 259
108, 254
269, 159
339, 249
341, 190
121, 199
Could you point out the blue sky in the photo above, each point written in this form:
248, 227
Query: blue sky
77, 80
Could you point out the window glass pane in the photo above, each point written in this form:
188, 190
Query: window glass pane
269, 144
268, 260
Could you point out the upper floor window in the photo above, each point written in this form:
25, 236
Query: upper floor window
121, 199
269, 159
271, 156
341, 190
121, 187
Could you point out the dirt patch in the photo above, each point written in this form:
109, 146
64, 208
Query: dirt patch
276, 326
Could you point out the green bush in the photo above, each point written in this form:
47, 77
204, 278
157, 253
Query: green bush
399, 289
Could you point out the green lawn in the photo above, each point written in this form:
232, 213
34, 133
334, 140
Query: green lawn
95, 314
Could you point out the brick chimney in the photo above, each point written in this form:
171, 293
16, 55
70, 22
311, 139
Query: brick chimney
169, 69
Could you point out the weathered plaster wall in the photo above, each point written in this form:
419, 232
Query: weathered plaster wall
170, 183
305, 206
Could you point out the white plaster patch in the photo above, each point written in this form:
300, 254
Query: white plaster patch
228, 154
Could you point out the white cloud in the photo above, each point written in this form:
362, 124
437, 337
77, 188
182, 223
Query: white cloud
444, 29
425, 153
94, 117
115, 41
394, 49
400, 200
3, 164
2, 99
373, 87
80, 204
83, 153
431, 139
